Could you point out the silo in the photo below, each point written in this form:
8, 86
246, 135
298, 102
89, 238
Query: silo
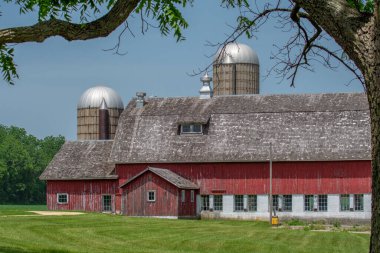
236, 71
89, 109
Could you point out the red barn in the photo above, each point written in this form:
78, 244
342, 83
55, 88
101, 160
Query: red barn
209, 156
321, 165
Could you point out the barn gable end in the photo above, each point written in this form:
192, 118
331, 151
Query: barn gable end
158, 192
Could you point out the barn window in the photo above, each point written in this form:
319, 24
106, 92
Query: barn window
358, 202
345, 202
193, 128
309, 202
347, 205
205, 202
106, 202
218, 202
183, 196
239, 203
252, 203
151, 196
287, 203
192, 195
322, 203
62, 198
275, 202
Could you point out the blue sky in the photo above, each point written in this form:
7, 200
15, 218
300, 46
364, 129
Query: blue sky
55, 73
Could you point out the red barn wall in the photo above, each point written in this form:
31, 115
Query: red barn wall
84, 195
166, 203
331, 177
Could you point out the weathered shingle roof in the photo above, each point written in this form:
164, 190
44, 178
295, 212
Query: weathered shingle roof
169, 176
308, 127
81, 160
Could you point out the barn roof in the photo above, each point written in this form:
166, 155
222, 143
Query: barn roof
304, 127
167, 175
81, 160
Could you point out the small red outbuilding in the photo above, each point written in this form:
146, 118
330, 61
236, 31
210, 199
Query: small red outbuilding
159, 192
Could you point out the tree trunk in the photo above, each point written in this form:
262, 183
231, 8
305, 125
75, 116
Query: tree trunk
372, 79
374, 103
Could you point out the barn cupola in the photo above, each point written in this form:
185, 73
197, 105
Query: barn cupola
140, 101
98, 113
205, 92
236, 70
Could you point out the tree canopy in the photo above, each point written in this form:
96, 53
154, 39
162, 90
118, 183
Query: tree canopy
23, 158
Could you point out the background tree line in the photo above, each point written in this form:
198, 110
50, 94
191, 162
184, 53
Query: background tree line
23, 157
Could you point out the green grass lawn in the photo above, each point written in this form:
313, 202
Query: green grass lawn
20, 209
112, 233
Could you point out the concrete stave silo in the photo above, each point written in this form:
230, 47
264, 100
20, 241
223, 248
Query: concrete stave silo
236, 71
88, 112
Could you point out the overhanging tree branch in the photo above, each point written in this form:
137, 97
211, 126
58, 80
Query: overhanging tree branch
71, 31
344, 24
298, 51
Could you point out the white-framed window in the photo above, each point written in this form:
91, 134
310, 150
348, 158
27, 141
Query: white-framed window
151, 196
238, 203
321, 200
192, 195
106, 203
309, 203
183, 195
193, 128
62, 198
287, 203
344, 202
275, 202
252, 203
358, 202
205, 202
322, 203
218, 202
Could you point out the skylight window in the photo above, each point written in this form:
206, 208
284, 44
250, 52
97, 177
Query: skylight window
193, 128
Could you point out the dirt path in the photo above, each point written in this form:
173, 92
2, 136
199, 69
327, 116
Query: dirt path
56, 213
44, 213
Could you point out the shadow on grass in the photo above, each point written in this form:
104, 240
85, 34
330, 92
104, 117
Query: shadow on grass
19, 250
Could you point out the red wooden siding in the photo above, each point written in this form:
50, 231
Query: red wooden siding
136, 202
83, 195
253, 178
118, 207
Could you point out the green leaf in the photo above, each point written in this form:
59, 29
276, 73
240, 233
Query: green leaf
363, 6
7, 65
167, 14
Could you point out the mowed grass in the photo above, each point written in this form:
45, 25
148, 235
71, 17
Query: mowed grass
112, 233
20, 209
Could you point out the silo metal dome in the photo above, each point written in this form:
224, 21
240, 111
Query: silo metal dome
236, 53
93, 97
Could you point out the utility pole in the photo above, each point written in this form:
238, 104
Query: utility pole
270, 184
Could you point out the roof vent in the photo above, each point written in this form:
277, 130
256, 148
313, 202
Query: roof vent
205, 92
140, 99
